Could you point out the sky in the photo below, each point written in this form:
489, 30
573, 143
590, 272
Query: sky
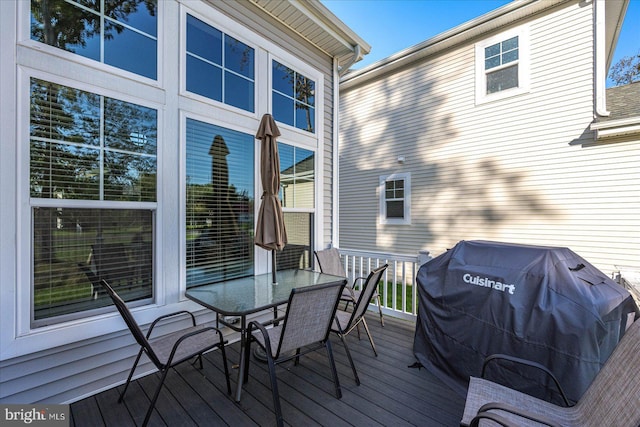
390, 26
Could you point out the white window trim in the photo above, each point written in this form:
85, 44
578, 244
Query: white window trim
230, 28
309, 73
382, 218
523, 62
24, 297
24, 39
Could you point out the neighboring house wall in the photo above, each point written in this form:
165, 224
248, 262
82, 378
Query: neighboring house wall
65, 361
522, 169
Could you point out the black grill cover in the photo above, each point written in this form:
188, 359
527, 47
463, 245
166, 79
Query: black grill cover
544, 304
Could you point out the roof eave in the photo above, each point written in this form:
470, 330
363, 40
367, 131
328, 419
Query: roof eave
315, 23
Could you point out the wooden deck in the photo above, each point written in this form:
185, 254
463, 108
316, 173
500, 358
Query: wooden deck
391, 394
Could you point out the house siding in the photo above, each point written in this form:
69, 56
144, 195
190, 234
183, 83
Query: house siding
522, 169
99, 351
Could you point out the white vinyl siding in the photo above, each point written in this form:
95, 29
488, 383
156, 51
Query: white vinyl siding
522, 169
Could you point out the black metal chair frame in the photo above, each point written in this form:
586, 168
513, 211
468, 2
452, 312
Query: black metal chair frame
304, 344
177, 341
350, 294
356, 316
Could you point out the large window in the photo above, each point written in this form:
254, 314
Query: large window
93, 191
219, 67
502, 66
395, 199
293, 98
121, 33
219, 203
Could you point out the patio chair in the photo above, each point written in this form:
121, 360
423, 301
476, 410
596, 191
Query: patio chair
610, 400
330, 263
169, 350
347, 321
305, 328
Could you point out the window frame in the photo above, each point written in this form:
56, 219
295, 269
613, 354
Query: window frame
523, 64
227, 27
24, 38
382, 217
292, 97
25, 294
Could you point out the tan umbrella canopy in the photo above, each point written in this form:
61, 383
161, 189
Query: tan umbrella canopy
270, 230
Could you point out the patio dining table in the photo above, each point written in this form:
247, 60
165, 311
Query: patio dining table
241, 297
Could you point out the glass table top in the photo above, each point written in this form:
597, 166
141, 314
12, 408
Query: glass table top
239, 297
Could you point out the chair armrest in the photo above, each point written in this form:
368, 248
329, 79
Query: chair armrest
200, 350
265, 334
166, 316
495, 406
475, 422
530, 363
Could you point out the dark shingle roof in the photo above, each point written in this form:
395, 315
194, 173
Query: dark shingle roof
623, 102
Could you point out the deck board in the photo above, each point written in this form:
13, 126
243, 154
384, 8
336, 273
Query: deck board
390, 394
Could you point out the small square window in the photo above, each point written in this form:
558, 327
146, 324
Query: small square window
502, 65
395, 199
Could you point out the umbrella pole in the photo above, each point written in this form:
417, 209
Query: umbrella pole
273, 267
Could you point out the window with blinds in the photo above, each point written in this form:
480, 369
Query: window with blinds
89, 149
219, 203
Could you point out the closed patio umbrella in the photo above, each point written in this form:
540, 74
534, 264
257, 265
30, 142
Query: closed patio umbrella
270, 230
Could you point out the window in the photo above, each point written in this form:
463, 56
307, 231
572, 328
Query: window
297, 194
219, 67
89, 149
502, 66
395, 199
219, 203
122, 34
293, 98
297, 177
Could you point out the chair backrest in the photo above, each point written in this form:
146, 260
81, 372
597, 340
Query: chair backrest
310, 312
131, 322
330, 263
366, 294
612, 397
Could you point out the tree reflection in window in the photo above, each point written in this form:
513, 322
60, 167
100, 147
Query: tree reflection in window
293, 98
85, 146
88, 147
121, 33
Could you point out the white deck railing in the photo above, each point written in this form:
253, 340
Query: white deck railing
399, 296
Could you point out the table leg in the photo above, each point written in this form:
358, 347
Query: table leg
243, 344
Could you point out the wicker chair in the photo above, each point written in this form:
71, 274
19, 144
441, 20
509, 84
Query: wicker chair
167, 351
329, 262
305, 328
347, 321
610, 400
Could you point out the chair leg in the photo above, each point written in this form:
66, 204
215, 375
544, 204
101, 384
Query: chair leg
366, 328
155, 397
274, 390
353, 367
334, 371
380, 310
133, 368
226, 368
